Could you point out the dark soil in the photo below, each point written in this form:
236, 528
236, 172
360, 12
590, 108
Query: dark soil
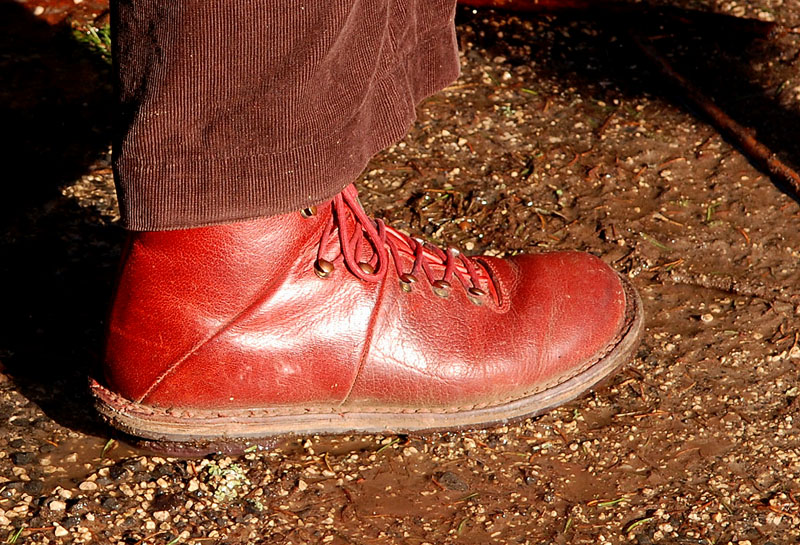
559, 135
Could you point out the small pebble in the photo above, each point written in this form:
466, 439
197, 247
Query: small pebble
451, 481
22, 458
87, 486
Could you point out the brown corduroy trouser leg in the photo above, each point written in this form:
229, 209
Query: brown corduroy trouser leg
235, 109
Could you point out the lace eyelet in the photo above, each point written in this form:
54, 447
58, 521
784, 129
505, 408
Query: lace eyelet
406, 280
474, 295
441, 288
348, 228
308, 212
323, 268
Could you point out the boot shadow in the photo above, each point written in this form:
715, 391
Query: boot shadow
58, 258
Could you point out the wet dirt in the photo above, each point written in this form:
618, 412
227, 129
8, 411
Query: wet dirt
558, 135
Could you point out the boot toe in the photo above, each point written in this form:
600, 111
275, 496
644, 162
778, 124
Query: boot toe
576, 305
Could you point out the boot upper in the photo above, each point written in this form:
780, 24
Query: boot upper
318, 310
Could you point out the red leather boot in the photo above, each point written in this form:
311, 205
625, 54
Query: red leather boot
326, 321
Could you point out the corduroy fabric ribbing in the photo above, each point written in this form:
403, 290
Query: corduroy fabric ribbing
238, 109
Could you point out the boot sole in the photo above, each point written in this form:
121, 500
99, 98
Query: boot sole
197, 432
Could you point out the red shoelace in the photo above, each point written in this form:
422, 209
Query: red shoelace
366, 245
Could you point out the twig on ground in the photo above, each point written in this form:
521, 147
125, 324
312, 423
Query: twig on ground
741, 136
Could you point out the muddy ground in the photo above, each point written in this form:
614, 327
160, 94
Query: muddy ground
559, 135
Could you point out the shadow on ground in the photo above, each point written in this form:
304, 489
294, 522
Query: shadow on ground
724, 56
57, 257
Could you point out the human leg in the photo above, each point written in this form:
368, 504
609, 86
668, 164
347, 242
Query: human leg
247, 108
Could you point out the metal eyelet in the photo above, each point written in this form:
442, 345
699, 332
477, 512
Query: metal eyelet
406, 280
366, 268
323, 268
441, 288
474, 295
308, 212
